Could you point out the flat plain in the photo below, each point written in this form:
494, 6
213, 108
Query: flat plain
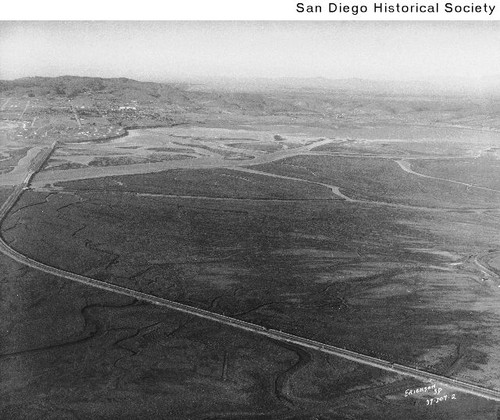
342, 220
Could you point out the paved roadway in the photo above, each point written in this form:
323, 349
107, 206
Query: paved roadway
280, 336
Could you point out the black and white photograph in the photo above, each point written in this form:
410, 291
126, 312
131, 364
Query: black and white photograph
261, 219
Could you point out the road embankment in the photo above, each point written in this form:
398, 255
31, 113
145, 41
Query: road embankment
38, 162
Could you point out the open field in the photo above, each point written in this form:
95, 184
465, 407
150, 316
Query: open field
371, 280
370, 224
72, 352
382, 180
217, 183
484, 171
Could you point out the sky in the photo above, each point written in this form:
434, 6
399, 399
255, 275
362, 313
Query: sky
166, 50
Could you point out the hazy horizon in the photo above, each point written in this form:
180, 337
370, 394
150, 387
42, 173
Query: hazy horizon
190, 50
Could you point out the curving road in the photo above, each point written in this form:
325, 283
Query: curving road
280, 336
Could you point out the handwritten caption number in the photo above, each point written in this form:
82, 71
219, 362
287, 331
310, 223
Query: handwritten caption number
437, 400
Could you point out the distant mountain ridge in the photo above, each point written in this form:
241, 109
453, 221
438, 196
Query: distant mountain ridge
124, 102
482, 86
72, 86
329, 101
